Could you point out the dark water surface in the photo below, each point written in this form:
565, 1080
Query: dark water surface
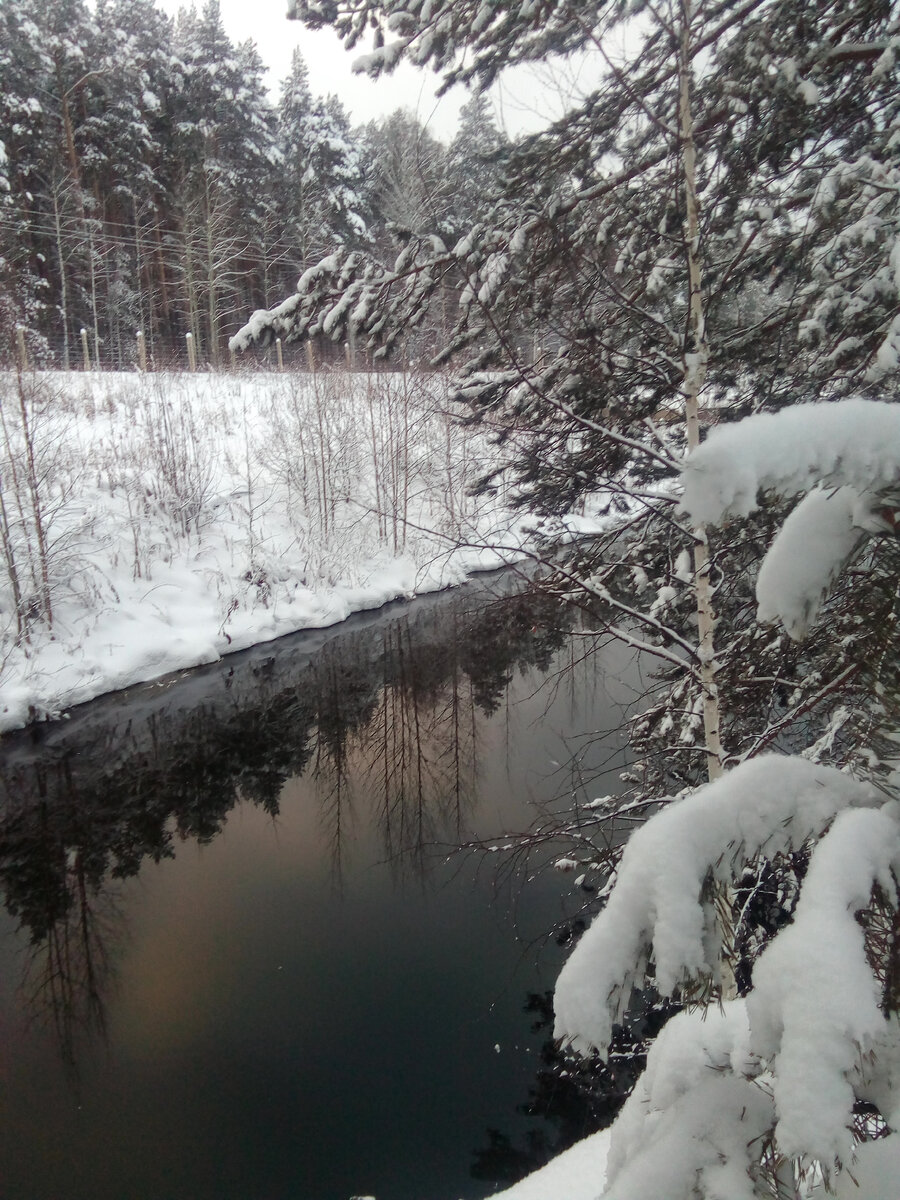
236, 960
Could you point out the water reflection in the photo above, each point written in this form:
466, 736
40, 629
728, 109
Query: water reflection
225, 878
572, 1096
387, 710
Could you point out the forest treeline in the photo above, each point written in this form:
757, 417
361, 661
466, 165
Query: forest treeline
148, 181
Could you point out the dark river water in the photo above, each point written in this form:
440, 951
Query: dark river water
238, 958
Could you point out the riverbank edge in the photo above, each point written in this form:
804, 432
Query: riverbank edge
461, 566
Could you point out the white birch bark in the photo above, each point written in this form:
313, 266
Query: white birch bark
696, 358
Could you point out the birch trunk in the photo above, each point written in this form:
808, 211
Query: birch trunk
696, 358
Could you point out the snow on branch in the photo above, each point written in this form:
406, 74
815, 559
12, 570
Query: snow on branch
351, 293
850, 448
852, 443
704, 1145
694, 1121
657, 910
806, 557
267, 324
814, 1007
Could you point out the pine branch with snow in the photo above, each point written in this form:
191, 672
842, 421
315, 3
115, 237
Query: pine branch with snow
765, 1093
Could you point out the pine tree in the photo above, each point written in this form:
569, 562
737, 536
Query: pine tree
320, 181
23, 70
605, 292
409, 181
224, 143
130, 174
47, 86
474, 162
711, 232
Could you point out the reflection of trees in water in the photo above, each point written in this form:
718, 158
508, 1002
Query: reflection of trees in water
386, 715
572, 1095
67, 970
417, 755
50, 873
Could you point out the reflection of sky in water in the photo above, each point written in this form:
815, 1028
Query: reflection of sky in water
272, 1033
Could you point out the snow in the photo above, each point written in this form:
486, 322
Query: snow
702, 1145
887, 356
848, 442
769, 803
576, 1174
652, 1147
188, 516
811, 1037
815, 1002
871, 1175
851, 449
809, 92
693, 1118
805, 558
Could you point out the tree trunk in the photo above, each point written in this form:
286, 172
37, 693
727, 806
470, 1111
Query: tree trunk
63, 284
696, 357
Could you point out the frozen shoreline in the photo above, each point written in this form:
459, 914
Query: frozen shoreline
188, 517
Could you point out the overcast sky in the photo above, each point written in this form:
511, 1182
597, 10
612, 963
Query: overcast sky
329, 66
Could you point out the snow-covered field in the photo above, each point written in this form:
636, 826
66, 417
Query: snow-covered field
152, 523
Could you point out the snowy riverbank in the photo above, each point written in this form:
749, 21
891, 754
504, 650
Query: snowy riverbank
153, 523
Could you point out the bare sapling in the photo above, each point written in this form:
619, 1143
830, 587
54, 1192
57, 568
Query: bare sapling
181, 455
376, 457
40, 514
35, 500
11, 566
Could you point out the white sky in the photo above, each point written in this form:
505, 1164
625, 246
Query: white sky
521, 105
264, 22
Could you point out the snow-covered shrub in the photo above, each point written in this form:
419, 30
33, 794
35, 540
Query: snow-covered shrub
778, 1092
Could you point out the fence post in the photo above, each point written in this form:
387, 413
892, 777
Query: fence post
141, 351
85, 351
23, 351
351, 348
279, 353
311, 356
192, 353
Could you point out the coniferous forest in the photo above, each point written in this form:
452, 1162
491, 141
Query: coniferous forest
148, 182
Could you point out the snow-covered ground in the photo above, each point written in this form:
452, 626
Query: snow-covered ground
152, 523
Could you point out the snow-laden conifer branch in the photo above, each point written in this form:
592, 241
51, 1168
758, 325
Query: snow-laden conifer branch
695, 1118
807, 705
853, 443
806, 557
767, 805
852, 446
351, 292
815, 1006
705, 1142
